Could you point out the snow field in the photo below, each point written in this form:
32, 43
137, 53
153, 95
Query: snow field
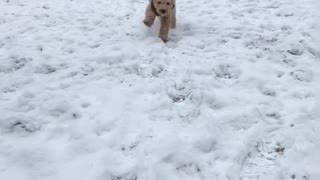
87, 92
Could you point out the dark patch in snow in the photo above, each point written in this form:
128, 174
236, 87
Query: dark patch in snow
295, 52
125, 177
19, 63
23, 125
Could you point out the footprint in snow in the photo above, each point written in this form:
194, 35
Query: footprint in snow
302, 75
268, 91
124, 177
295, 52
226, 71
19, 63
21, 124
45, 69
179, 93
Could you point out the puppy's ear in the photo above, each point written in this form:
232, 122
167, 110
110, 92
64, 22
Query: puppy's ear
153, 8
173, 2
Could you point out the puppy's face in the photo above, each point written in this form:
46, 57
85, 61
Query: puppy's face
163, 7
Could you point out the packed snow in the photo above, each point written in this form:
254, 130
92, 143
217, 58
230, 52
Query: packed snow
87, 92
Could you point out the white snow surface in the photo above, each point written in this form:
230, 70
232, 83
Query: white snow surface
87, 92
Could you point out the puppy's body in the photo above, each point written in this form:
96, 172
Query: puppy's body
166, 11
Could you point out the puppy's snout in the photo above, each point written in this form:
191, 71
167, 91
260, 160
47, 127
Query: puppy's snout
163, 11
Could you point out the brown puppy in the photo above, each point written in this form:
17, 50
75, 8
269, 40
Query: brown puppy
166, 11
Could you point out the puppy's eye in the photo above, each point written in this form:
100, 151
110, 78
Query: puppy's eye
168, 3
159, 2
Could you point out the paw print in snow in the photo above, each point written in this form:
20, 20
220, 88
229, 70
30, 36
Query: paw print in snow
225, 71
22, 124
180, 92
45, 69
19, 63
295, 52
268, 91
125, 177
302, 75
188, 168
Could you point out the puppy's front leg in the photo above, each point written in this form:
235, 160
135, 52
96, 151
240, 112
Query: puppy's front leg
164, 29
173, 17
150, 17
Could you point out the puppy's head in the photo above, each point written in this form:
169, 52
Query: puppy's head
163, 7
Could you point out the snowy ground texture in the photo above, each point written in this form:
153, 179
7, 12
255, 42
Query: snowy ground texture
88, 93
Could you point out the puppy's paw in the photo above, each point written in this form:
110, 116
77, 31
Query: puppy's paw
148, 22
164, 39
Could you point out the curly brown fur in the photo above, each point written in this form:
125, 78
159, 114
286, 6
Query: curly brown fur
166, 11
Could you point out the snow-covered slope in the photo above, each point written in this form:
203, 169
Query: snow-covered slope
88, 93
